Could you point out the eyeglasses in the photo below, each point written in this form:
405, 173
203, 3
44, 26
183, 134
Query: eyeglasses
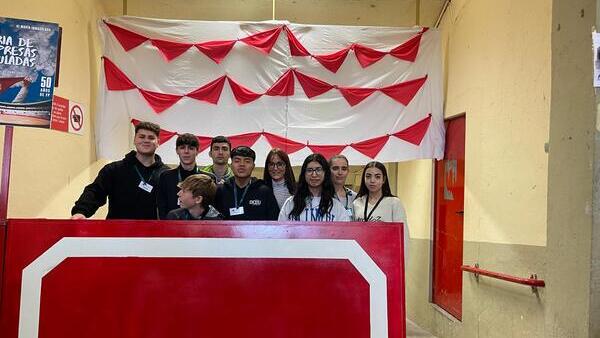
278, 165
317, 170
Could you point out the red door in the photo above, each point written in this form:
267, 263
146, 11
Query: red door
448, 231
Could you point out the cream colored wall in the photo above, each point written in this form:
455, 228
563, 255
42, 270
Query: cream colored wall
497, 61
49, 169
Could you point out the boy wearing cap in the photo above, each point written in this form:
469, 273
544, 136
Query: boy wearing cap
244, 197
196, 196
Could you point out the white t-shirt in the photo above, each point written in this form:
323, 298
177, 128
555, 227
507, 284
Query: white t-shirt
390, 209
311, 211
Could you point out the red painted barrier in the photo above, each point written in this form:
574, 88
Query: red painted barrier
211, 279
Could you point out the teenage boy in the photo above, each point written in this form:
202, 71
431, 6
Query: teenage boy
130, 184
196, 197
186, 148
220, 151
244, 197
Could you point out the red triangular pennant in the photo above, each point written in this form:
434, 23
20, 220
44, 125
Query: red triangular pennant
333, 61
159, 101
404, 92
327, 151
355, 96
165, 135
170, 50
127, 39
296, 48
247, 140
242, 94
284, 85
216, 50
283, 143
371, 147
115, 78
210, 92
312, 86
408, 51
203, 142
415, 133
367, 56
263, 41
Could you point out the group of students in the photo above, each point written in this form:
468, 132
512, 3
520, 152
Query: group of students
141, 187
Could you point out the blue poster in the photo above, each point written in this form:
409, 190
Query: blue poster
28, 52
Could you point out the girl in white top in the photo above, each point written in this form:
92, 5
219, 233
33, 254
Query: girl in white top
279, 176
375, 202
313, 200
339, 173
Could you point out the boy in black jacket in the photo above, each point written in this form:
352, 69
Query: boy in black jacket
129, 184
244, 197
186, 148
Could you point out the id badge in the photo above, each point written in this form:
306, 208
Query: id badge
145, 186
349, 212
236, 211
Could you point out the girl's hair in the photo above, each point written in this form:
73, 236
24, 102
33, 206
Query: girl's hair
385, 189
302, 191
335, 157
288, 176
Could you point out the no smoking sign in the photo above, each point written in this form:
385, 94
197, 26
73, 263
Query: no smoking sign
67, 116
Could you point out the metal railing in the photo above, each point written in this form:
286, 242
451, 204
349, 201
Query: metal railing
531, 281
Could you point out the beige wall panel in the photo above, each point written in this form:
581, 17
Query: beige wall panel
570, 176
395, 13
491, 308
50, 169
429, 11
226, 10
414, 188
498, 72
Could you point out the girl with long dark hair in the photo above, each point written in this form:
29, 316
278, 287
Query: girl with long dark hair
313, 200
375, 201
279, 176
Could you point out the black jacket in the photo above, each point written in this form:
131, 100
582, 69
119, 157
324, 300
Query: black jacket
259, 203
119, 181
166, 197
183, 214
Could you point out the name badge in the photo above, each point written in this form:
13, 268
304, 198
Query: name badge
236, 211
145, 186
178, 202
349, 211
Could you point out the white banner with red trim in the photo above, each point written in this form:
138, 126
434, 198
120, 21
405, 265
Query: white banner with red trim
366, 92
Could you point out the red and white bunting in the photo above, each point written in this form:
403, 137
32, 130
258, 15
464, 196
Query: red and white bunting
283, 85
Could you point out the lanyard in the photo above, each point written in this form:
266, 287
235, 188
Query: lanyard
366, 218
235, 189
347, 199
140, 174
179, 173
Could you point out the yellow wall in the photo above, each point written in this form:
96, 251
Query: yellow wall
49, 169
497, 70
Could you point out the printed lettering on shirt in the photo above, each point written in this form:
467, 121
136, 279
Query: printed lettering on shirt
255, 202
314, 215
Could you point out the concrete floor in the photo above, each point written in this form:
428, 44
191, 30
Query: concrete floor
413, 330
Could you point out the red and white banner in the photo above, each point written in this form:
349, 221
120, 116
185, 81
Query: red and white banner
366, 92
